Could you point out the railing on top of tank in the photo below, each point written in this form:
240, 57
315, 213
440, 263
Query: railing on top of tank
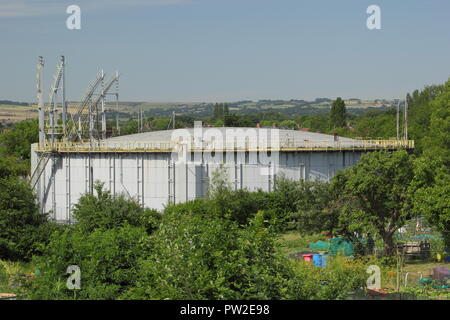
350, 144
290, 144
237, 145
107, 146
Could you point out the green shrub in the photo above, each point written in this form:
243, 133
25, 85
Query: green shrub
22, 227
337, 280
303, 204
215, 258
107, 260
106, 211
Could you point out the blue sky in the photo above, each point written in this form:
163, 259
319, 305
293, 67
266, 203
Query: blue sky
228, 50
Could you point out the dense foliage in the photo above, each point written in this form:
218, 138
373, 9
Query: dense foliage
107, 259
225, 246
112, 212
22, 227
198, 250
372, 196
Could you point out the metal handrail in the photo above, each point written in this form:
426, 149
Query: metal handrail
291, 145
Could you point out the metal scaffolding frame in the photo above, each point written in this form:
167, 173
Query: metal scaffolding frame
57, 126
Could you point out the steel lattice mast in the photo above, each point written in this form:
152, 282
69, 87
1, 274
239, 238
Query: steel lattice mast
40, 98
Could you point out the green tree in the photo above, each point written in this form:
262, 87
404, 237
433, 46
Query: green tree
437, 141
129, 127
17, 142
21, 224
220, 111
304, 205
107, 212
12, 166
338, 113
430, 191
372, 196
216, 114
376, 124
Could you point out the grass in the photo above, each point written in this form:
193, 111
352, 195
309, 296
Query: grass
10, 272
425, 267
293, 242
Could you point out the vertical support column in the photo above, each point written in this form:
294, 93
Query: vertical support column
171, 181
140, 179
241, 174
174, 182
112, 173
202, 180
343, 159
269, 177
91, 122
53, 186
207, 180
88, 174
117, 104
103, 108
91, 175
187, 183
42, 185
274, 176
235, 176
40, 99
68, 200
55, 118
64, 106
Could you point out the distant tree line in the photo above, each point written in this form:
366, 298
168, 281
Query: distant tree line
14, 103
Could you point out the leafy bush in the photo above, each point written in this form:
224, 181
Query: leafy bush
107, 260
336, 281
198, 258
106, 211
22, 227
12, 166
304, 203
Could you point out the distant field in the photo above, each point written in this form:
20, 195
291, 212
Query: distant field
16, 113
19, 113
13, 113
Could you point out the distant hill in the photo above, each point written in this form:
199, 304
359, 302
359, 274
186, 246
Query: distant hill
16, 111
13, 103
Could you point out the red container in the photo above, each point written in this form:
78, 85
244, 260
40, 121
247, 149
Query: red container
307, 257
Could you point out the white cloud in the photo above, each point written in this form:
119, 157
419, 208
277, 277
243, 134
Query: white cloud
26, 8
